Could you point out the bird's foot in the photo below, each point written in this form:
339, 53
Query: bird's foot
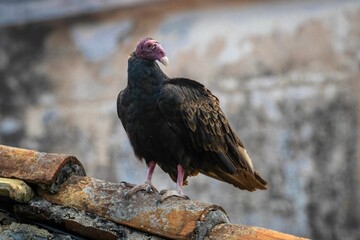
127, 185
146, 186
165, 194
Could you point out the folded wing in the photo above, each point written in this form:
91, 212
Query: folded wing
194, 113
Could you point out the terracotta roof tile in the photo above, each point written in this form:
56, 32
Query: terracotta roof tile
96, 209
45, 169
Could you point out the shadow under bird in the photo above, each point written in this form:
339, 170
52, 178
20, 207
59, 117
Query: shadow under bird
178, 124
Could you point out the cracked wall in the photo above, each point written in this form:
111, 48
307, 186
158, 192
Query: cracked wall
286, 75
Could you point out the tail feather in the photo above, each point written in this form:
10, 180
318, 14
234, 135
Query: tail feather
234, 167
241, 179
260, 180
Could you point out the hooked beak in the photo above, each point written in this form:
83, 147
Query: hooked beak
164, 60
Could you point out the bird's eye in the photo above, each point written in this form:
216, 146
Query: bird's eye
150, 46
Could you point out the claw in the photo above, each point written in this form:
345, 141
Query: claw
127, 185
172, 193
148, 187
178, 192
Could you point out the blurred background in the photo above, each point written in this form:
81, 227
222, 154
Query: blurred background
286, 73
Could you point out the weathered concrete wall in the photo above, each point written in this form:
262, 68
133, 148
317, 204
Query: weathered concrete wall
287, 76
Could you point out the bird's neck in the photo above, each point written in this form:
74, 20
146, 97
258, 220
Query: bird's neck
144, 73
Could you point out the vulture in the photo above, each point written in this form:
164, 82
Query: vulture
177, 123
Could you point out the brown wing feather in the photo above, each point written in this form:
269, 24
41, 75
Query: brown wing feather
194, 113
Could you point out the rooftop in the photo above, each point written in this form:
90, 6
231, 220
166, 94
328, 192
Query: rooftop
49, 196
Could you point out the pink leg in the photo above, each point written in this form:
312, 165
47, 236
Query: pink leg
150, 171
179, 183
147, 186
180, 178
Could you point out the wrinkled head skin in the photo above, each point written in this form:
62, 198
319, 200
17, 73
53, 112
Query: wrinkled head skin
151, 49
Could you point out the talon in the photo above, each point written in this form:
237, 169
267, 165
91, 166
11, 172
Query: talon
148, 187
126, 196
172, 193
126, 184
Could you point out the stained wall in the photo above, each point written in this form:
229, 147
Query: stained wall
287, 75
